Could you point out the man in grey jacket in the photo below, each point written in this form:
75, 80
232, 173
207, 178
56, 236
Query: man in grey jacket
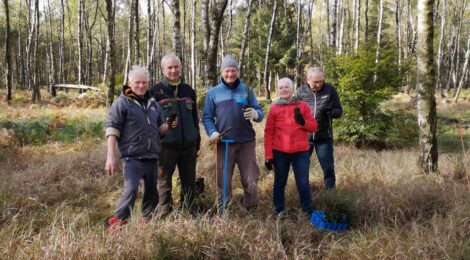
325, 105
135, 123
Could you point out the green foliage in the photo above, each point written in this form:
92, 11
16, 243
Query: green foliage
403, 131
40, 130
363, 86
339, 206
201, 97
282, 53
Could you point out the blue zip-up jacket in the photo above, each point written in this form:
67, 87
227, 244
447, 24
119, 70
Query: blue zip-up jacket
223, 108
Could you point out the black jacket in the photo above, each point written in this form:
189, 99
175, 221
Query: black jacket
183, 103
325, 105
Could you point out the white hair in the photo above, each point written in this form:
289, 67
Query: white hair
168, 57
286, 80
314, 70
137, 70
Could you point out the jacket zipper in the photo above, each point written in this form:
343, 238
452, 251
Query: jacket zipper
314, 110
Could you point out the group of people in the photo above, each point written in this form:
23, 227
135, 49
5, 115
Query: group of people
157, 129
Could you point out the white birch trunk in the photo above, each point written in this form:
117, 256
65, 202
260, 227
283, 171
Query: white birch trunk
175, 8
357, 20
80, 41
246, 33
297, 43
439, 49
268, 49
193, 44
427, 117
379, 31
464, 71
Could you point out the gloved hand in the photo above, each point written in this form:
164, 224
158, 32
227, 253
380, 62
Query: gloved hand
269, 164
171, 121
250, 113
214, 138
299, 119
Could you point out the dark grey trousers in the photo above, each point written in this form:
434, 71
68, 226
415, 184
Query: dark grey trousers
134, 171
185, 159
243, 155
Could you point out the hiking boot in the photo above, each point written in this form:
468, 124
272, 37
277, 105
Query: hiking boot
115, 224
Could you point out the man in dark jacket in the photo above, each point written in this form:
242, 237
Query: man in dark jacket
325, 105
180, 145
135, 123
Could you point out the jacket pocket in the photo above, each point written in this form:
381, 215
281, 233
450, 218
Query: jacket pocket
135, 146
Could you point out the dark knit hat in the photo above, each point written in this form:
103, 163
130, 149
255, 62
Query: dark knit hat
228, 61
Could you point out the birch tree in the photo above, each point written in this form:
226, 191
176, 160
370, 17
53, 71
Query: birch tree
80, 40
379, 31
175, 8
464, 71
62, 42
130, 42
246, 32
89, 32
439, 48
193, 44
50, 53
36, 94
297, 43
205, 27
29, 46
427, 118
334, 22
357, 20
268, 49
20, 54
150, 39
7, 51
398, 29
366, 22
110, 11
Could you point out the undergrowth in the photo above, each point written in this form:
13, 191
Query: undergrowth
55, 198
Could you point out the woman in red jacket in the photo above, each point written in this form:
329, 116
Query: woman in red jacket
286, 142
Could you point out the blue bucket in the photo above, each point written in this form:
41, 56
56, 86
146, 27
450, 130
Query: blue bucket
318, 220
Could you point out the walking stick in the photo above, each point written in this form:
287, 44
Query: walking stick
224, 194
221, 135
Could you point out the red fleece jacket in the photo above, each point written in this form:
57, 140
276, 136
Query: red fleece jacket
283, 133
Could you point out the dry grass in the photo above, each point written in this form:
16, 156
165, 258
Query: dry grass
55, 198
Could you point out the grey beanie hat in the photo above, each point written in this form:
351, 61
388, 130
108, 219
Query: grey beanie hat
228, 61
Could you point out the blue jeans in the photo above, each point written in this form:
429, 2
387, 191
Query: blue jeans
300, 164
324, 151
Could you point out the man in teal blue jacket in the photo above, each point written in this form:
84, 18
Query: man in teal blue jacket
232, 104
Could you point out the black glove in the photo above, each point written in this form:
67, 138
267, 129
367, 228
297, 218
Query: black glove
299, 119
269, 164
169, 121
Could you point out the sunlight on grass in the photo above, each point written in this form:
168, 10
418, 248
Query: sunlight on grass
55, 198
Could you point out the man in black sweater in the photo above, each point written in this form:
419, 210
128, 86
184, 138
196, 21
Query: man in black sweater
180, 145
325, 105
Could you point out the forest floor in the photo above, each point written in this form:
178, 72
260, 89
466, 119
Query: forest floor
55, 197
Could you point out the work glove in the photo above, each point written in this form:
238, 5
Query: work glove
269, 164
214, 138
250, 113
299, 119
171, 121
